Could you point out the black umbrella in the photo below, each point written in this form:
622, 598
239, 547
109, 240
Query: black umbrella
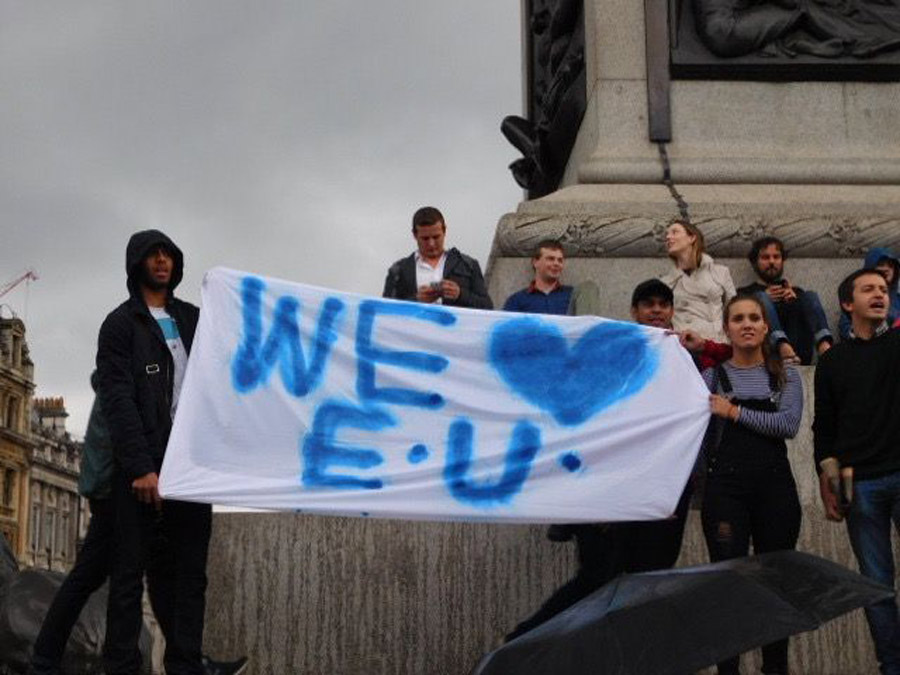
22, 610
679, 621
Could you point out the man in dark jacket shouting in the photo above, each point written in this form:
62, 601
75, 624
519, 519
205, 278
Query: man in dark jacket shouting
141, 359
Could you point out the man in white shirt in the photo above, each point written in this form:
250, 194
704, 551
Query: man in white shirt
434, 275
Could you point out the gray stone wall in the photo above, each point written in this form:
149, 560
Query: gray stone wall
325, 595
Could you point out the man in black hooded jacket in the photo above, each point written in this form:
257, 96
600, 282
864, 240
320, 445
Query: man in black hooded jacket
141, 357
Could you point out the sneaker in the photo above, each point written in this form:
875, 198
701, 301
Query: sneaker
237, 667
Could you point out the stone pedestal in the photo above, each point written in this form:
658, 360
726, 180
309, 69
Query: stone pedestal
726, 132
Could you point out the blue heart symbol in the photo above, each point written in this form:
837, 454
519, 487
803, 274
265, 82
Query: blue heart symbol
610, 362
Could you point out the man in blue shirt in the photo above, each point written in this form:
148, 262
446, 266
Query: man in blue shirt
545, 294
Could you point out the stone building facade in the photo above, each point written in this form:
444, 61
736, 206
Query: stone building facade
16, 444
41, 514
57, 514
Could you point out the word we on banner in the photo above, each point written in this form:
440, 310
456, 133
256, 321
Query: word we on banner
302, 398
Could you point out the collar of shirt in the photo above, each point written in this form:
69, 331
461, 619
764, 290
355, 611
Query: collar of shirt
532, 288
421, 261
881, 330
426, 274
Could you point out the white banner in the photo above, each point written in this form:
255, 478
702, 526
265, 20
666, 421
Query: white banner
313, 400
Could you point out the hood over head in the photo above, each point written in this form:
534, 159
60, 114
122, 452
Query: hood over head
140, 244
880, 253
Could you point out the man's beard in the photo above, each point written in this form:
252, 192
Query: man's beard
149, 282
769, 274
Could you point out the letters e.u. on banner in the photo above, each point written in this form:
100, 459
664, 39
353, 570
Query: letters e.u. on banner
306, 399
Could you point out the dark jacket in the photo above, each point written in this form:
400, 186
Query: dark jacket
400, 283
857, 405
135, 366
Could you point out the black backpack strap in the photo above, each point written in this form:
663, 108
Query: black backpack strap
716, 426
774, 387
722, 380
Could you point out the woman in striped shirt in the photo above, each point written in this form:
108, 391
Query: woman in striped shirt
750, 494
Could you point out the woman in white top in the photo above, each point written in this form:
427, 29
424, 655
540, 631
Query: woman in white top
700, 286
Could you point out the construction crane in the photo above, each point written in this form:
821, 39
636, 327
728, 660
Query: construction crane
29, 275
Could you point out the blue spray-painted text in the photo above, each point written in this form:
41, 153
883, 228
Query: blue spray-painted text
369, 354
523, 447
255, 358
571, 382
321, 450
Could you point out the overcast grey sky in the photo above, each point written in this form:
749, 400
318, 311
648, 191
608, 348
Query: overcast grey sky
293, 139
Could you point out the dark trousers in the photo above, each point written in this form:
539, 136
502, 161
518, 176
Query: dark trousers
761, 505
606, 551
90, 571
653, 545
170, 545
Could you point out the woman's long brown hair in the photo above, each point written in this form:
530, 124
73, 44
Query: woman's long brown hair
773, 362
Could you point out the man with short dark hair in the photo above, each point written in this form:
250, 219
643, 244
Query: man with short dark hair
885, 261
856, 434
433, 275
653, 304
141, 359
545, 294
798, 322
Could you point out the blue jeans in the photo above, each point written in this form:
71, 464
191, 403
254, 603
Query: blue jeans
876, 504
810, 306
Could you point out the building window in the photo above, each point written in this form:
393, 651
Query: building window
17, 351
64, 536
50, 533
35, 528
9, 487
64, 526
12, 413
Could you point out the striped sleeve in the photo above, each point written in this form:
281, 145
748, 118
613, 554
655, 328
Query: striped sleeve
782, 423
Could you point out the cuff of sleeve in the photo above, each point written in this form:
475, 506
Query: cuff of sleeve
139, 469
